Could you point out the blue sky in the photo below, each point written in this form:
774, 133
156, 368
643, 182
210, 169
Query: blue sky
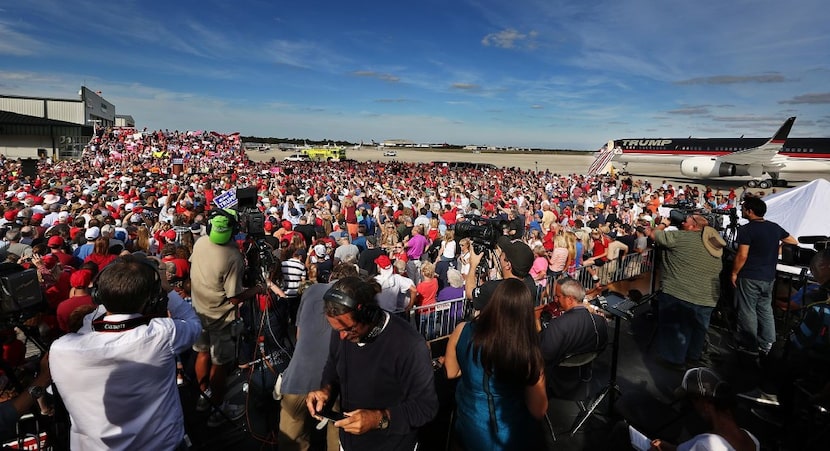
546, 73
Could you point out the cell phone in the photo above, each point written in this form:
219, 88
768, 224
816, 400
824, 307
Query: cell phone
330, 415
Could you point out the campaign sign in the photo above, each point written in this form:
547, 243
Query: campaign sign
226, 199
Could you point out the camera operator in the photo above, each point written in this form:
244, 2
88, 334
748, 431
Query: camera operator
216, 275
753, 275
117, 375
515, 259
690, 288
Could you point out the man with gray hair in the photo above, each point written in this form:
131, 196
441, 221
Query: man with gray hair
576, 331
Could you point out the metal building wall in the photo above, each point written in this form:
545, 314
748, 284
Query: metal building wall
69, 111
29, 107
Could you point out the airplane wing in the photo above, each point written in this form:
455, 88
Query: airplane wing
764, 154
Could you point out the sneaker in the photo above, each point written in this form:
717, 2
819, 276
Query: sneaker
203, 403
760, 397
231, 411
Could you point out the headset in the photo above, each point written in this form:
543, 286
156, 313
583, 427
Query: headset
232, 221
366, 313
156, 302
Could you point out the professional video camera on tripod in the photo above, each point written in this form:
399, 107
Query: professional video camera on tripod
21, 299
517, 259
264, 339
483, 233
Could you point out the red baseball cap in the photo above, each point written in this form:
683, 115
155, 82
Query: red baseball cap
55, 241
384, 262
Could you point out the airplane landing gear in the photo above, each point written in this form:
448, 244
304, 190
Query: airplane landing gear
766, 183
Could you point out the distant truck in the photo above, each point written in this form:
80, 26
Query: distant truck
326, 153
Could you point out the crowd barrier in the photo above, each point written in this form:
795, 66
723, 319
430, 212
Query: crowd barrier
625, 267
437, 320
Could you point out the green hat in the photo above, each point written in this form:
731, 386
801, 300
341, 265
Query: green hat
221, 227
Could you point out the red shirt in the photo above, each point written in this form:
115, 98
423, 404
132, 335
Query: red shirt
68, 306
427, 291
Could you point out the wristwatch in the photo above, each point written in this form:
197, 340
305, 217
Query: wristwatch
384, 420
35, 391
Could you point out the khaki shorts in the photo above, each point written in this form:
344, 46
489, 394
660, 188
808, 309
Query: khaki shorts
219, 343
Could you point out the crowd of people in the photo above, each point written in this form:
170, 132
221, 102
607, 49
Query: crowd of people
351, 243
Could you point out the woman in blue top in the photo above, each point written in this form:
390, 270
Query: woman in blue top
501, 394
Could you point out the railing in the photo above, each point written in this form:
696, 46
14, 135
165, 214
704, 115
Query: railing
439, 320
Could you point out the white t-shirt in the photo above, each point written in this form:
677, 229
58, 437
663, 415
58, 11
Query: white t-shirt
449, 250
394, 288
712, 442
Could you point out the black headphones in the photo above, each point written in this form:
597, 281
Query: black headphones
233, 222
366, 313
157, 298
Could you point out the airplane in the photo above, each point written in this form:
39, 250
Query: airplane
715, 158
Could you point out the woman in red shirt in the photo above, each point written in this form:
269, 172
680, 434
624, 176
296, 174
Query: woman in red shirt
101, 253
427, 294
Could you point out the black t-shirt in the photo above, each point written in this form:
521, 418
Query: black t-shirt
366, 260
577, 331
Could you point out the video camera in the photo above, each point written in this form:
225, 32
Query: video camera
483, 232
20, 294
679, 213
251, 220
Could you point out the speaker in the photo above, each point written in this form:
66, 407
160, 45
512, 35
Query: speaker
28, 167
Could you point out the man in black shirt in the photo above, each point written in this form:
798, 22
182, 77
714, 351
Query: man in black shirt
379, 366
306, 229
366, 260
515, 259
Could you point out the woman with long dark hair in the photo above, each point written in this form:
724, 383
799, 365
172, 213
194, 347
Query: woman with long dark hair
502, 389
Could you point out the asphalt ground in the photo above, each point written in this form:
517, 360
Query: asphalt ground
559, 163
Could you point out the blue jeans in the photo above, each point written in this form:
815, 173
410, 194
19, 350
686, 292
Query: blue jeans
681, 329
756, 325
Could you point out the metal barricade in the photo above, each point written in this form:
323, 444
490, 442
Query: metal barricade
437, 320
623, 268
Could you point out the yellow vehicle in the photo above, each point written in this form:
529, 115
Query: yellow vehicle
326, 153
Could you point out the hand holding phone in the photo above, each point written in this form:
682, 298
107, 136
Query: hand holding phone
330, 415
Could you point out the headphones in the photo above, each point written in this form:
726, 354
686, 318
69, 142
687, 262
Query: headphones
363, 312
233, 222
157, 298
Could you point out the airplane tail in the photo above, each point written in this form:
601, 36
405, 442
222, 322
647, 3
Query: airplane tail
763, 154
603, 157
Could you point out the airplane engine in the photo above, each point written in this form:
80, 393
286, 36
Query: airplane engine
707, 167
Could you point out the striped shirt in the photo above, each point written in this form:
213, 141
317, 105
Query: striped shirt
293, 273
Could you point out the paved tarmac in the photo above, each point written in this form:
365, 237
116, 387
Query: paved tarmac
559, 163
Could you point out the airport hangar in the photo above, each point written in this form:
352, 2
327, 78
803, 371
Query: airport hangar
38, 127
